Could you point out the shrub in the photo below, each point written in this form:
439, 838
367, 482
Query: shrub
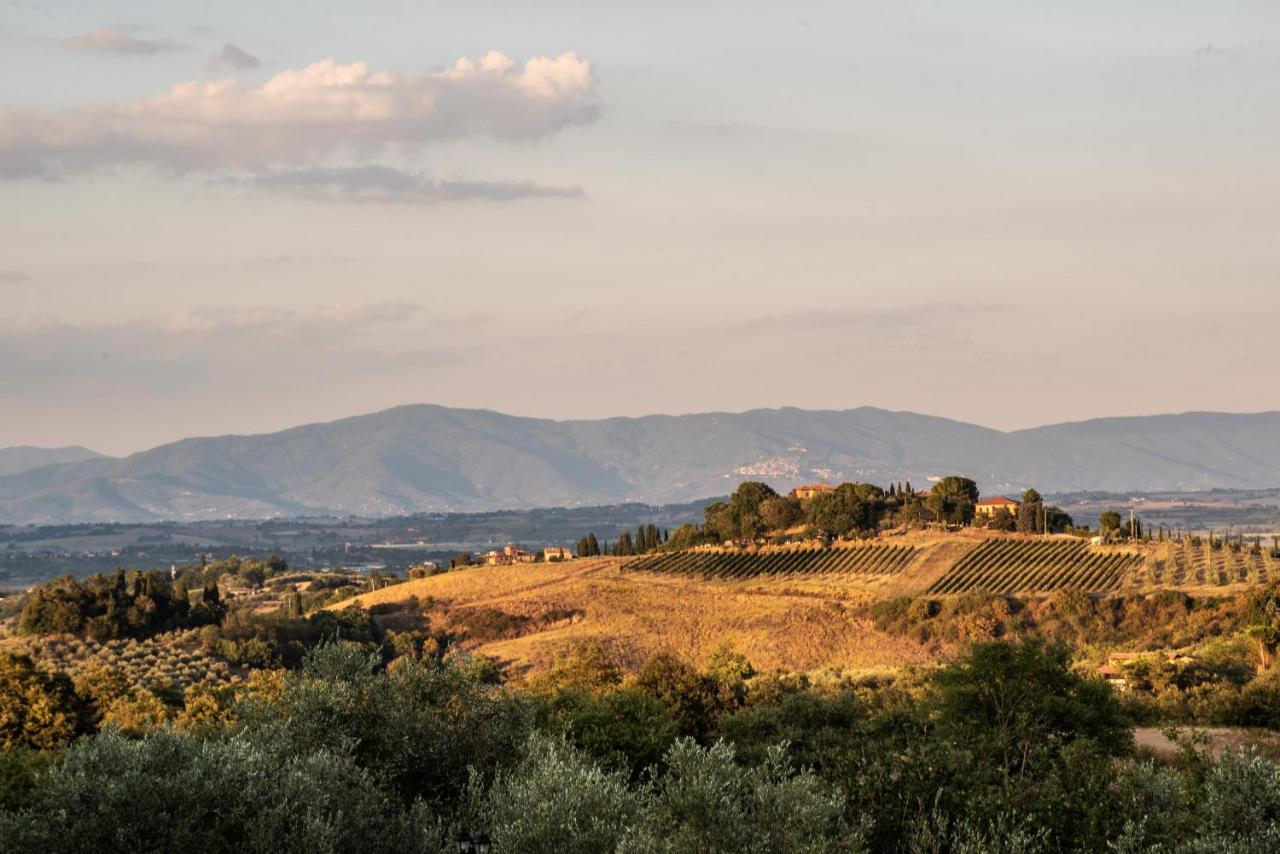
38, 709
706, 802
558, 800
170, 792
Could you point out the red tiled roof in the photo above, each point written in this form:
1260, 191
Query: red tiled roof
999, 499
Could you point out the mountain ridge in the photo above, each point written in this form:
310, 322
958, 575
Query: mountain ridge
19, 458
426, 457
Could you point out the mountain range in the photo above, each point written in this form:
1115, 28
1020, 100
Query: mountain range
427, 458
23, 458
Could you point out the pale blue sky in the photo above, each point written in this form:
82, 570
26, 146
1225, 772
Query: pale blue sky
1009, 213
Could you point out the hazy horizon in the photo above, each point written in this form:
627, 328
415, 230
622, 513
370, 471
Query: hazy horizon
640, 415
236, 220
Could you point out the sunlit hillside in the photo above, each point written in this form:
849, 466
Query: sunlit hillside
794, 608
785, 623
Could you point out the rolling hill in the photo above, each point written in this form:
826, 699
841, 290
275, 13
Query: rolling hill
430, 458
797, 607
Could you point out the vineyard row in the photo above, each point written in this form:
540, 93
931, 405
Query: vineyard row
862, 560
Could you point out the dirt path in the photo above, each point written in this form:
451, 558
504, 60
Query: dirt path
1219, 740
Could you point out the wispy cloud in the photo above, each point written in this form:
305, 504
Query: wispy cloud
305, 115
120, 41
13, 277
389, 185
233, 58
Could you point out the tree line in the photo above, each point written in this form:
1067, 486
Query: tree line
131, 604
756, 510
647, 538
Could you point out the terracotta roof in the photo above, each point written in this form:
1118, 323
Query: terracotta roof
999, 499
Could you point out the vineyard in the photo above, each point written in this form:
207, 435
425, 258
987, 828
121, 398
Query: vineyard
858, 560
1183, 564
1012, 565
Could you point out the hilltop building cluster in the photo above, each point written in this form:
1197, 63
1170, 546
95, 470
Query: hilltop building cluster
511, 555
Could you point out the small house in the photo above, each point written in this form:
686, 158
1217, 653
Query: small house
804, 493
991, 506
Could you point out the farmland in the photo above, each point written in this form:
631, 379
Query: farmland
1188, 564
173, 660
860, 560
794, 608
1036, 566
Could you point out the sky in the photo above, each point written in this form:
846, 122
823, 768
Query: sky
239, 217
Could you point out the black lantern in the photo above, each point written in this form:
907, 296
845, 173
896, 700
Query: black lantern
482, 843
464, 842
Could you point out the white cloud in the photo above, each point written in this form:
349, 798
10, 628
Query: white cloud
233, 58
304, 116
119, 41
388, 185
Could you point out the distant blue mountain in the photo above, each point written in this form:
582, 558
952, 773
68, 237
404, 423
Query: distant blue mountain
431, 458
19, 459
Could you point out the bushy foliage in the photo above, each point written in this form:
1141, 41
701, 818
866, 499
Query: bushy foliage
556, 799
250, 639
38, 709
1240, 810
621, 729
1006, 749
852, 508
171, 792
417, 726
705, 801
134, 604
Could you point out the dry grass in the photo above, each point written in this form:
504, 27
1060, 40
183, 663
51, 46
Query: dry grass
799, 626
794, 622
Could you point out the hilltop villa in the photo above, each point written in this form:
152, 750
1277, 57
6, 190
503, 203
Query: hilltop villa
989, 506
804, 493
509, 555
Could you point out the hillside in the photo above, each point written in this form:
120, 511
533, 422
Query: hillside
431, 458
633, 614
22, 458
793, 608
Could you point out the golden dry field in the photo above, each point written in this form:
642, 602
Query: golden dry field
799, 625
793, 608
